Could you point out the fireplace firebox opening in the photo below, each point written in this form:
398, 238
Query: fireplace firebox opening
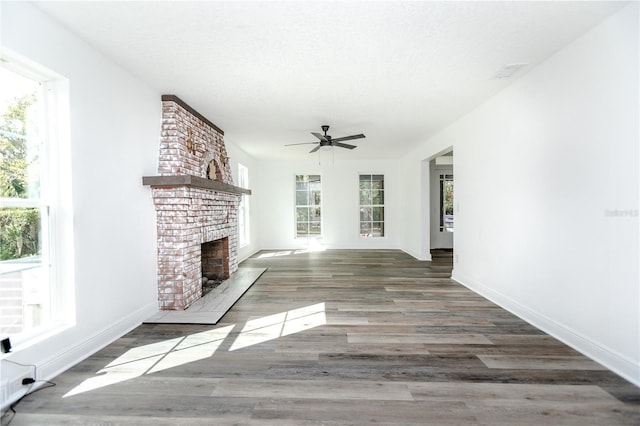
214, 258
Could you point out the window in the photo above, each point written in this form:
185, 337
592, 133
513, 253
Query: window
308, 197
371, 206
446, 203
30, 300
243, 211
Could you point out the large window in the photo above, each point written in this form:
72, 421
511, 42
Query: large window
243, 211
29, 297
308, 198
371, 206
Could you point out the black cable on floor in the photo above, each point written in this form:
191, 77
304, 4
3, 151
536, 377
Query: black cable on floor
12, 407
47, 384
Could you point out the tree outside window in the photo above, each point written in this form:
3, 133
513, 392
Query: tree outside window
308, 205
371, 206
25, 300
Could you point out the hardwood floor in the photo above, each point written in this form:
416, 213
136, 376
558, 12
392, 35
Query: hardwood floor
341, 337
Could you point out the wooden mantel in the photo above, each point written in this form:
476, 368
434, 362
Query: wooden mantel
193, 182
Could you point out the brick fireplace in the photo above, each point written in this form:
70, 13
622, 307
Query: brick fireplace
196, 205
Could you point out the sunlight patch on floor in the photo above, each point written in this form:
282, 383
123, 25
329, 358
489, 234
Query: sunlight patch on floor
313, 246
275, 254
282, 324
154, 357
170, 353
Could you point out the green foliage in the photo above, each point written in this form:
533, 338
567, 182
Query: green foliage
448, 197
13, 148
19, 229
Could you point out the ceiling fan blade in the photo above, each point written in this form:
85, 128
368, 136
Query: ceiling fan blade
344, 145
303, 143
348, 138
319, 136
314, 149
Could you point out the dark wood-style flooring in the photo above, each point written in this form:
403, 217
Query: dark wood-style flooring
341, 337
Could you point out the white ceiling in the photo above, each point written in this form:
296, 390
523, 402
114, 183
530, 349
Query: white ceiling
268, 73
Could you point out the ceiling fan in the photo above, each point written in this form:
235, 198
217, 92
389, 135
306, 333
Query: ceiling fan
327, 140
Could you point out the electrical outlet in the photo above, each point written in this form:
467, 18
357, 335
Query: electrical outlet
456, 258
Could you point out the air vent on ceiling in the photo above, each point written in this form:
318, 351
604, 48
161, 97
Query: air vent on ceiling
508, 71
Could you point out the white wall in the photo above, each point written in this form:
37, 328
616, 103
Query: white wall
275, 192
538, 170
237, 155
114, 137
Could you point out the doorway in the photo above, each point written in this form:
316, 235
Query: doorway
441, 193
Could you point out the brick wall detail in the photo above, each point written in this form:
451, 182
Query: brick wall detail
178, 125
187, 217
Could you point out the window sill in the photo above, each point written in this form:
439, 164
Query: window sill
26, 340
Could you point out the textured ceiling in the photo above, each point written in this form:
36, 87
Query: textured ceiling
268, 73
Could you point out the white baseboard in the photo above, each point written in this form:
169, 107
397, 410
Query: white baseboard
73, 355
607, 357
62, 361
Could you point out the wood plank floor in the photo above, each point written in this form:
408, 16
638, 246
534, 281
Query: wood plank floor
339, 338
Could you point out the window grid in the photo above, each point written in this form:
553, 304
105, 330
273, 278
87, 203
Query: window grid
308, 206
371, 205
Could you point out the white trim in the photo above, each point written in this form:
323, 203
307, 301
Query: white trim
62, 361
295, 208
66, 359
608, 357
53, 118
383, 205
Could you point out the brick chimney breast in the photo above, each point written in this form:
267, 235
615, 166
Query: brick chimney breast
191, 209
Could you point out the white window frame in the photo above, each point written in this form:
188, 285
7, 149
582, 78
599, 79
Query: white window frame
244, 230
55, 197
295, 207
371, 205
